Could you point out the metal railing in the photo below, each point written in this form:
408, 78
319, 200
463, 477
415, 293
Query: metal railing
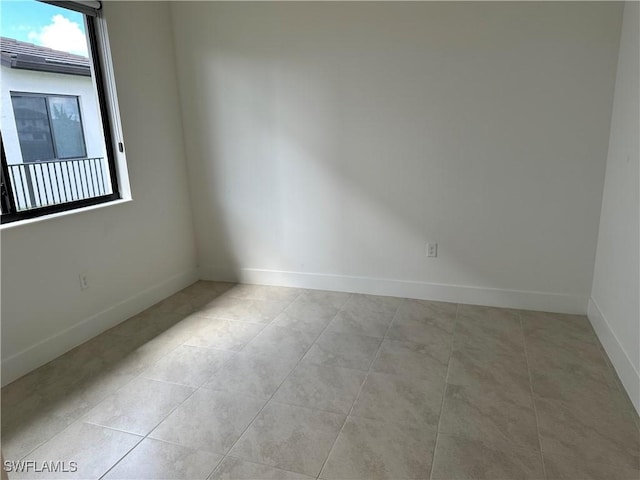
40, 184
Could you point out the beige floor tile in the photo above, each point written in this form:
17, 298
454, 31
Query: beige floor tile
341, 350
185, 329
412, 359
30, 405
243, 310
493, 329
73, 403
257, 376
400, 399
588, 432
94, 450
291, 438
421, 321
19, 390
544, 355
464, 458
377, 450
147, 324
138, 406
501, 317
365, 315
500, 418
164, 325
209, 420
155, 460
443, 312
224, 334
67, 386
350, 323
325, 297
233, 468
59, 404
21, 438
131, 355
137, 325
82, 363
557, 329
202, 292
179, 302
626, 404
198, 294
281, 342
304, 350
188, 365
493, 370
309, 313
324, 388
572, 375
569, 468
583, 387
264, 292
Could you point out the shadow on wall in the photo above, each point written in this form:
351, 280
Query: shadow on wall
342, 138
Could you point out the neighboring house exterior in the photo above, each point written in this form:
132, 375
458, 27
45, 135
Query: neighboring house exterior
51, 126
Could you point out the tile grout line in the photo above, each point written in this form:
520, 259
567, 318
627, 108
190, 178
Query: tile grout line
196, 389
444, 392
141, 374
106, 396
144, 437
533, 399
281, 383
45, 441
275, 391
355, 399
117, 389
224, 457
122, 457
84, 415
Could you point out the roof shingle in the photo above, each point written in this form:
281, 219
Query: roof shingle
18, 54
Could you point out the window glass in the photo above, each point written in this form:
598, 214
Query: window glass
32, 123
67, 127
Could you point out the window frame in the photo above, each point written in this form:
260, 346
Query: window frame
10, 213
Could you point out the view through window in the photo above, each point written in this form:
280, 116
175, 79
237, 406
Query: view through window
57, 151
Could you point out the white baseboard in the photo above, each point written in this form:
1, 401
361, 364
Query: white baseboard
528, 300
46, 350
623, 365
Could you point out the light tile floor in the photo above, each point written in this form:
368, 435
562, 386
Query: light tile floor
225, 381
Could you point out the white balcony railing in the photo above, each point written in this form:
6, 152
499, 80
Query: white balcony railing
41, 184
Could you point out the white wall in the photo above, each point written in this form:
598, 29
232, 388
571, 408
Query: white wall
134, 254
614, 307
328, 142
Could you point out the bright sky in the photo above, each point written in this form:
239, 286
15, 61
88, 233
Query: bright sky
43, 24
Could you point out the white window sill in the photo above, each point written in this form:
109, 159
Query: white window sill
44, 218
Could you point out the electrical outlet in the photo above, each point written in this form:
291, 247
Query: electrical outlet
84, 283
432, 249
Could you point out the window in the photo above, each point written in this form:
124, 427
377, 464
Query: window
58, 137
49, 127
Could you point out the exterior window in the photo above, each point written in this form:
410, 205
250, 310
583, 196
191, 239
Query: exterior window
59, 138
49, 127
